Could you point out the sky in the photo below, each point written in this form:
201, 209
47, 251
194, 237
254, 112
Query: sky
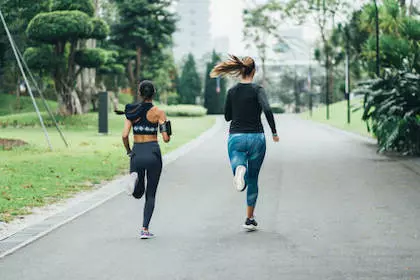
226, 20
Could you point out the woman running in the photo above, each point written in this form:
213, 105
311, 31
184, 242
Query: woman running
246, 145
145, 157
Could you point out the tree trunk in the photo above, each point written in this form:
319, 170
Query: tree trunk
411, 8
132, 79
17, 106
138, 61
67, 97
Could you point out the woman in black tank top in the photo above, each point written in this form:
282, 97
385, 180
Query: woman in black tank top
244, 104
145, 157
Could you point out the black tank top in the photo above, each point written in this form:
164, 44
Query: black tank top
143, 126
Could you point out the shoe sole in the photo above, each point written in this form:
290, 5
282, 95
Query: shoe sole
250, 227
239, 179
146, 237
131, 184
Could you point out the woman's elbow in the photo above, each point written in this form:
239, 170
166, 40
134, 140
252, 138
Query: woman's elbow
125, 136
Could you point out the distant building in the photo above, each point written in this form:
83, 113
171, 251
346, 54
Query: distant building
193, 34
222, 45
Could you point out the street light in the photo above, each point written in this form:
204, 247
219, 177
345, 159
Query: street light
378, 65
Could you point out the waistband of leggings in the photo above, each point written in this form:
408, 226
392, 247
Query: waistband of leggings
143, 144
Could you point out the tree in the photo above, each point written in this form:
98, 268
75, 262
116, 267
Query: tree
399, 38
190, 83
17, 15
214, 99
160, 67
63, 28
259, 27
322, 12
144, 26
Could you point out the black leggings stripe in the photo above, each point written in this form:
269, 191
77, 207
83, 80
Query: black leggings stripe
147, 162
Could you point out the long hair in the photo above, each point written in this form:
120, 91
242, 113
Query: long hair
234, 66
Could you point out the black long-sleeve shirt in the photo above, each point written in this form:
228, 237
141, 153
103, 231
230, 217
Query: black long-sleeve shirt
244, 105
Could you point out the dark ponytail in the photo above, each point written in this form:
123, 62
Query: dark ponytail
146, 90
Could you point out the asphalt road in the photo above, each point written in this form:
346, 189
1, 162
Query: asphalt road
329, 208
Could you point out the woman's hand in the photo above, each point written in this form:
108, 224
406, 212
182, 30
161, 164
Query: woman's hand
276, 138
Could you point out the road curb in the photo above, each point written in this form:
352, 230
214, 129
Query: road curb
24, 237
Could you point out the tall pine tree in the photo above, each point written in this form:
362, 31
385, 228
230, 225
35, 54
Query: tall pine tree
215, 93
144, 27
190, 83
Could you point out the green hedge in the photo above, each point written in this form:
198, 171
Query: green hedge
184, 110
278, 109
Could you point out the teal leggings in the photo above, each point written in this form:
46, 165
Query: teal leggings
248, 149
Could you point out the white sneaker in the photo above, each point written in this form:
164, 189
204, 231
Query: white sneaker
239, 179
131, 183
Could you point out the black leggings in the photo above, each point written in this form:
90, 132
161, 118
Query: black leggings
146, 161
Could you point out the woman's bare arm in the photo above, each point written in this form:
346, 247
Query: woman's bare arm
125, 134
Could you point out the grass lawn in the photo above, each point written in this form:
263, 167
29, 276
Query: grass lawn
32, 176
8, 104
338, 117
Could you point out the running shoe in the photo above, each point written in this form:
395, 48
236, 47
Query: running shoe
146, 235
132, 182
239, 179
250, 224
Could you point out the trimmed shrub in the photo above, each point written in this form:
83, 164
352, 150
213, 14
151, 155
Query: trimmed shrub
85, 6
42, 58
91, 58
60, 26
278, 108
184, 110
100, 29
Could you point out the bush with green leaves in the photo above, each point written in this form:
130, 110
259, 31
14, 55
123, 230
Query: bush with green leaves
42, 58
60, 26
85, 6
278, 108
392, 107
184, 110
90, 58
66, 29
173, 98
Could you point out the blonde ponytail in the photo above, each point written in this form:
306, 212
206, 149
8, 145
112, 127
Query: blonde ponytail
234, 66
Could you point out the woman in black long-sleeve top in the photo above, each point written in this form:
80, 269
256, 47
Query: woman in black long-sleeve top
246, 145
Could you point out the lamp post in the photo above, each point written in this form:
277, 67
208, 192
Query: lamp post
347, 36
378, 61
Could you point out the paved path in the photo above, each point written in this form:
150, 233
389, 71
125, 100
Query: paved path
329, 208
